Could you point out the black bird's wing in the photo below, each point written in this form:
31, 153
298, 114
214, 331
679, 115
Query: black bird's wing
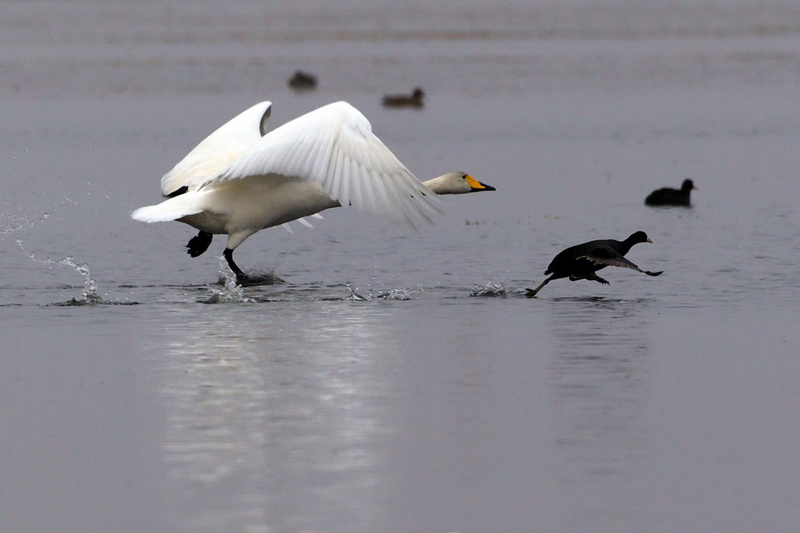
607, 256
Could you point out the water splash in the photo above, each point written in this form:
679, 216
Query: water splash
231, 291
254, 279
356, 297
89, 295
491, 289
19, 221
15, 223
395, 294
392, 294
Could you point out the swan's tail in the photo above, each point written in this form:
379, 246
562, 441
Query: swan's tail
172, 209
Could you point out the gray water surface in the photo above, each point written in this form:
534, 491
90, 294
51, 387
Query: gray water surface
388, 380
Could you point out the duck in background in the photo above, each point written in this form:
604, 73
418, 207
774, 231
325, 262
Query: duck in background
668, 196
303, 81
415, 99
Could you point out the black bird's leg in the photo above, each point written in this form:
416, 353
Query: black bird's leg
595, 277
240, 276
199, 244
530, 293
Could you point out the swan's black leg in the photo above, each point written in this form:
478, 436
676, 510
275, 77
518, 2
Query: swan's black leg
199, 244
240, 276
595, 277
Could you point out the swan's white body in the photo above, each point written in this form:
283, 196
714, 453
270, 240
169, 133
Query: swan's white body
240, 180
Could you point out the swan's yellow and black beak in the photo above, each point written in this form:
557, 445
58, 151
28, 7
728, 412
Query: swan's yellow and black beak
477, 185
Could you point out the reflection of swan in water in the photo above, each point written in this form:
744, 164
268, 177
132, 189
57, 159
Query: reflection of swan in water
600, 385
256, 425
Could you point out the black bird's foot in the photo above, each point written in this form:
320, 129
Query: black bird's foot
597, 278
653, 273
199, 244
531, 293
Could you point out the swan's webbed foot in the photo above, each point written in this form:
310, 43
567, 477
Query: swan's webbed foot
199, 244
597, 278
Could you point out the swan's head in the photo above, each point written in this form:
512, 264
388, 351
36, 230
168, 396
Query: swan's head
456, 183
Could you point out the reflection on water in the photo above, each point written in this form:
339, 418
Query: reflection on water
292, 414
269, 418
600, 373
214, 404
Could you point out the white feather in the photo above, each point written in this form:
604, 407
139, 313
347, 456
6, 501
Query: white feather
334, 147
171, 209
218, 150
239, 181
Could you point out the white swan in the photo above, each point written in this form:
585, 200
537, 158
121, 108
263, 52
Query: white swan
240, 179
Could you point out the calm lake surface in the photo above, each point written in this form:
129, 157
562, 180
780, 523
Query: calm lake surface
393, 381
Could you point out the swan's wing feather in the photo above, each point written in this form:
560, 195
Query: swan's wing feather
171, 209
334, 147
302, 221
218, 150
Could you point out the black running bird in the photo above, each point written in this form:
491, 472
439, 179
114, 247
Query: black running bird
667, 196
583, 260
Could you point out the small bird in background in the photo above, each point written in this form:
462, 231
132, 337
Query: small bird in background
583, 260
415, 99
303, 81
668, 196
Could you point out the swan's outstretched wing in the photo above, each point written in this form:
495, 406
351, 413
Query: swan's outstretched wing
218, 150
334, 147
